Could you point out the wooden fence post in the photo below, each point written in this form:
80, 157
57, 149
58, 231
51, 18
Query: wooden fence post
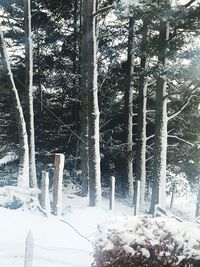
198, 205
57, 185
112, 193
45, 200
29, 249
136, 198
173, 196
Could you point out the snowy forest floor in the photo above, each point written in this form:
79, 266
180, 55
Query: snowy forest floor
56, 244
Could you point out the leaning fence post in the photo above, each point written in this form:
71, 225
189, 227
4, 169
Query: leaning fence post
45, 200
57, 184
29, 248
136, 198
112, 193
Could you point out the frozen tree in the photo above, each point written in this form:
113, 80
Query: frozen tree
142, 110
161, 117
29, 87
89, 67
129, 107
84, 115
160, 146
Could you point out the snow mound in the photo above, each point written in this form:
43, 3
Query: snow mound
144, 241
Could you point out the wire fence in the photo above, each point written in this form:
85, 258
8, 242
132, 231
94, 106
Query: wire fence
14, 255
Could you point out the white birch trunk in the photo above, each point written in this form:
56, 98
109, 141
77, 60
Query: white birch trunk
23, 176
29, 87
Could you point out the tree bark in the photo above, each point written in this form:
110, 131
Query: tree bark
90, 67
29, 87
84, 107
23, 176
141, 123
129, 109
75, 104
161, 121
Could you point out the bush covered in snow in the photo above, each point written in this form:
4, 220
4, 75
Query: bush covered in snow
142, 241
178, 179
14, 197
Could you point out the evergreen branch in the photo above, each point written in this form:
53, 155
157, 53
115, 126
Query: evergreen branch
8, 19
53, 114
183, 24
179, 89
102, 10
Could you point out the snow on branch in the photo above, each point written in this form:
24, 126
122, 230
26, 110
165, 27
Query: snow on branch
178, 90
150, 136
181, 139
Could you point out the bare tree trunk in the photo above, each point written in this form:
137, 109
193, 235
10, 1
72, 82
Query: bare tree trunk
90, 68
161, 121
129, 109
29, 87
141, 124
23, 176
84, 108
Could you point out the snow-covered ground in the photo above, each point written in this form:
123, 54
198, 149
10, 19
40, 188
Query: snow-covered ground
56, 243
